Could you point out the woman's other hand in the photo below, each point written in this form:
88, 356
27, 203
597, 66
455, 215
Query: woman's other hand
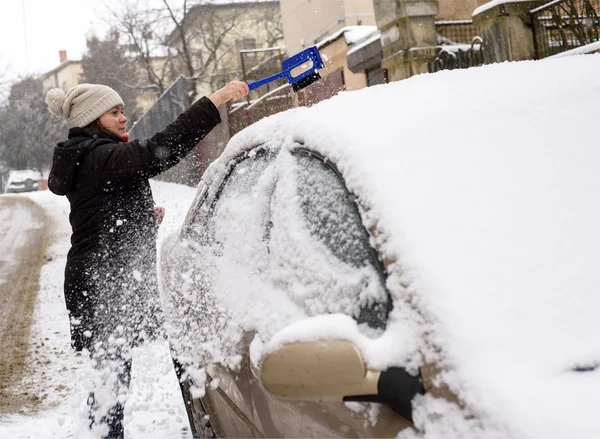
233, 91
159, 214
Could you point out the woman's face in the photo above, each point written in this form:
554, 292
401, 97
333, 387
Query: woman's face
114, 121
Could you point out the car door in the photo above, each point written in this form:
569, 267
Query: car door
323, 260
214, 349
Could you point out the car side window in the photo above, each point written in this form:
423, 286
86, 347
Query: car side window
240, 182
224, 234
321, 252
330, 212
332, 217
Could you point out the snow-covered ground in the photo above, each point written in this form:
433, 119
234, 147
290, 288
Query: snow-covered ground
154, 408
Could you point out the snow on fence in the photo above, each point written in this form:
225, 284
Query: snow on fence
456, 31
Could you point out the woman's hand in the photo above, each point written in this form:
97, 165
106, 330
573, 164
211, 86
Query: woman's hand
159, 214
233, 91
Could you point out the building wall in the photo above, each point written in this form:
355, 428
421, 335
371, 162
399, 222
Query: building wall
305, 22
458, 9
335, 54
66, 76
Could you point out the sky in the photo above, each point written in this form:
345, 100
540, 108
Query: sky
33, 31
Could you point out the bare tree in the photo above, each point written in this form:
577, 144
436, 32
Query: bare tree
29, 131
4, 82
141, 28
105, 62
198, 40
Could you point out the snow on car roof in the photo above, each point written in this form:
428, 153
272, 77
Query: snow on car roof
22, 174
485, 186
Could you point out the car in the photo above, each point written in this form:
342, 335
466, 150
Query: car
24, 180
419, 258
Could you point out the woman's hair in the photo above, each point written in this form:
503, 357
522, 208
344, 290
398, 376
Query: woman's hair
97, 124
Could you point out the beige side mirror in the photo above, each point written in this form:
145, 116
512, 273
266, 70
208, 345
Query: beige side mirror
319, 371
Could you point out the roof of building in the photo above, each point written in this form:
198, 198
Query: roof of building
60, 67
352, 34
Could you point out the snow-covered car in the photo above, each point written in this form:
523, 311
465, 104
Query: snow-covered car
23, 180
418, 259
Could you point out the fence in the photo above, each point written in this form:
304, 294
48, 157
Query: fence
164, 111
459, 45
456, 31
243, 115
562, 25
457, 57
323, 89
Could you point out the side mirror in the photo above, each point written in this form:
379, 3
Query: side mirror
320, 371
335, 371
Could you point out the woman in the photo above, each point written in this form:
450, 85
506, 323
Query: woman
110, 277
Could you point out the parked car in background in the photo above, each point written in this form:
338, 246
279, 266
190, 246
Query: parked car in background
24, 180
420, 255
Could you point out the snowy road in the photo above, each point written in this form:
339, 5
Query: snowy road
23, 241
41, 377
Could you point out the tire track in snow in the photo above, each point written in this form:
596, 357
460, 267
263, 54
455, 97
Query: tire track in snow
23, 243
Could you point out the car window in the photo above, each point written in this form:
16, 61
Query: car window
240, 182
330, 212
332, 217
282, 231
321, 250
225, 235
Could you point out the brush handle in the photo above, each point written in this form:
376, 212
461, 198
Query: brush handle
254, 85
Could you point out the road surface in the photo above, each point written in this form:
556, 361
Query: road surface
23, 242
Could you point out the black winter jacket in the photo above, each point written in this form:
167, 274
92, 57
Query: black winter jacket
111, 263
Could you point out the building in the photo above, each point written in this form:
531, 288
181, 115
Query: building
66, 75
335, 49
426, 25
458, 9
335, 27
306, 22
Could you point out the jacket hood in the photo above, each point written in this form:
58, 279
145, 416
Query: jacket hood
68, 156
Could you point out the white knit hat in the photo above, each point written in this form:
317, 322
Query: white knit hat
83, 104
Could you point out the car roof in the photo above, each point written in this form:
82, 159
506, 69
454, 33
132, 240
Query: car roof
484, 187
24, 174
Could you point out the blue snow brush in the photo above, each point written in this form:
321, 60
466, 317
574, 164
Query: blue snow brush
302, 80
